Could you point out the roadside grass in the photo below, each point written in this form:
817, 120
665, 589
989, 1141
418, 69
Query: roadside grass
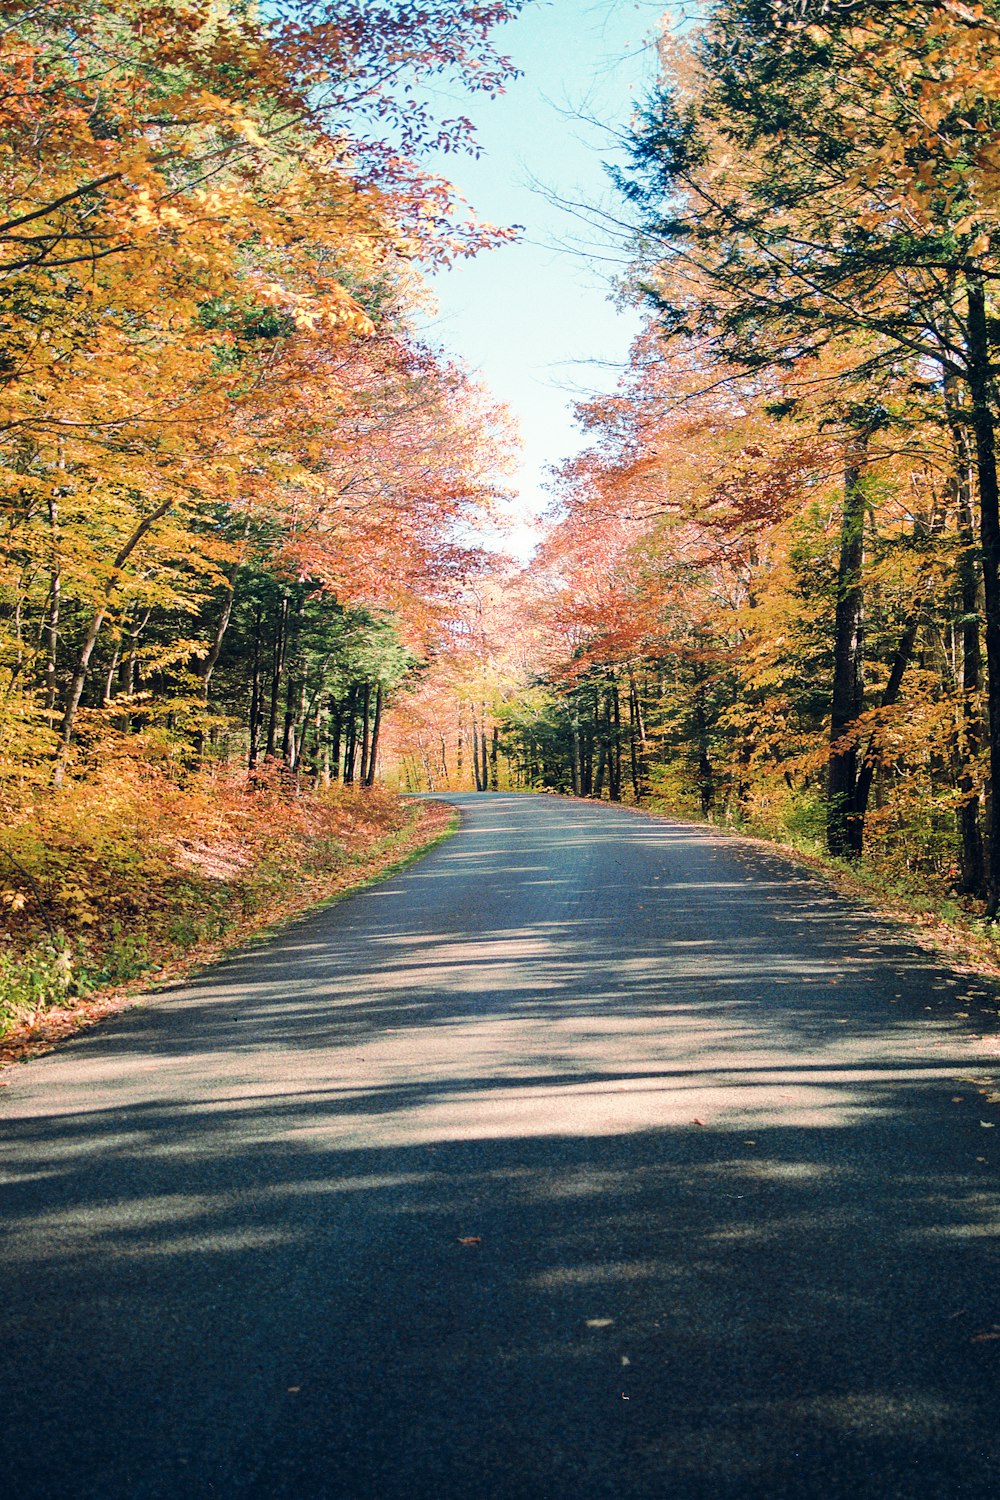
110, 891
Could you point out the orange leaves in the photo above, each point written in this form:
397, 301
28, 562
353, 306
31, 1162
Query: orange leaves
209, 379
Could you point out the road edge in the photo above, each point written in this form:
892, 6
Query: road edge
61, 1024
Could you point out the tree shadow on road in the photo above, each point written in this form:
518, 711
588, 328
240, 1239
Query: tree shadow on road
591, 1205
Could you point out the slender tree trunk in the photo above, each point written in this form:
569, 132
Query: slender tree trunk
376, 729
79, 677
480, 752
75, 693
351, 742
980, 385
635, 736
336, 733
300, 725
366, 732
901, 660
255, 704
902, 657
110, 675
323, 742
495, 759
844, 828
614, 727
971, 736
131, 683
484, 767
208, 663
277, 671
52, 617
602, 757
295, 684
586, 756
706, 770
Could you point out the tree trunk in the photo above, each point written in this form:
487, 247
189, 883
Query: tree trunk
75, 693
336, 734
706, 770
277, 671
602, 744
635, 737
612, 730
52, 618
900, 661
208, 664
844, 828
351, 738
79, 677
376, 729
109, 679
255, 710
366, 732
484, 765
971, 735
131, 683
980, 384
295, 685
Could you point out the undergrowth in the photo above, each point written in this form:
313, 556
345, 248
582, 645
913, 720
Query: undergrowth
114, 879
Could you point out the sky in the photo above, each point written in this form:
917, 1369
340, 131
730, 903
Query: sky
536, 318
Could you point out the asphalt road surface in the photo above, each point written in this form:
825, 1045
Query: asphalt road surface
594, 1156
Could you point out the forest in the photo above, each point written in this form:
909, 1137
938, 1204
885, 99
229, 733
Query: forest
769, 592
248, 594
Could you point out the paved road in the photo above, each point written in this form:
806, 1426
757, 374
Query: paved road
734, 1215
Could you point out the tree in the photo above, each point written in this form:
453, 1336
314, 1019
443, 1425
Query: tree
809, 181
215, 215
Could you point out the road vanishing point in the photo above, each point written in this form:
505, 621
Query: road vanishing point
594, 1157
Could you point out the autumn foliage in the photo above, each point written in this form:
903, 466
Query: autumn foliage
238, 489
770, 590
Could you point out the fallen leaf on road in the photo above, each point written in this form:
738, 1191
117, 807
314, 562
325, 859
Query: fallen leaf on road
470, 1239
699, 1122
600, 1322
987, 1124
293, 1390
984, 1338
